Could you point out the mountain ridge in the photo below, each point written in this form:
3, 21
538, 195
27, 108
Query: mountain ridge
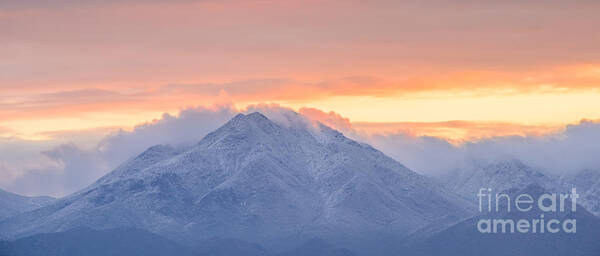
255, 180
12, 204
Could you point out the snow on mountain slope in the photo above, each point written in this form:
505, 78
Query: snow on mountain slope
499, 176
507, 174
13, 204
257, 180
587, 183
591, 199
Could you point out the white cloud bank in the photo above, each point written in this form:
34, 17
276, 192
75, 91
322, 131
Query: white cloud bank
57, 170
53, 168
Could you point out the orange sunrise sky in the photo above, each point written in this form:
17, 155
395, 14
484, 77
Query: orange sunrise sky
459, 70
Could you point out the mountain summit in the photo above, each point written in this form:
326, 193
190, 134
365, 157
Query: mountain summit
257, 180
499, 176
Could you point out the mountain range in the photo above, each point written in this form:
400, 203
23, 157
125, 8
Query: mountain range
291, 187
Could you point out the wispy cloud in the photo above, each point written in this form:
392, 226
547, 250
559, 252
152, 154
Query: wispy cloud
109, 43
458, 131
60, 166
502, 87
80, 65
68, 162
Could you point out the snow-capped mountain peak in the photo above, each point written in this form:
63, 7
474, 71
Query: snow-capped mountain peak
499, 176
258, 180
